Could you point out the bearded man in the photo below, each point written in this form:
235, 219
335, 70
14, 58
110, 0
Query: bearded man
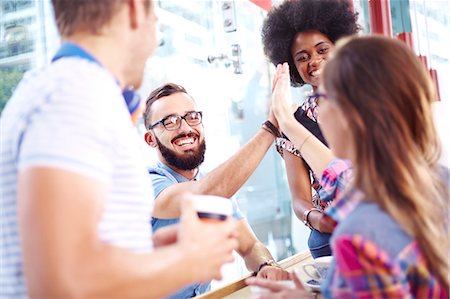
176, 131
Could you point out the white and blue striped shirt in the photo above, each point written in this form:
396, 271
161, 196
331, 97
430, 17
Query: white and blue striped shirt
72, 116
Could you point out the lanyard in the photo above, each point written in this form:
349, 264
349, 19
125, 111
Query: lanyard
72, 50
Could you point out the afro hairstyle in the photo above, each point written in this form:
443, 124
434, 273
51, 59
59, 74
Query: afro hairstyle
334, 18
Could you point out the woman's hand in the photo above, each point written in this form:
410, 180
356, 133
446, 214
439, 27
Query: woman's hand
321, 222
276, 290
273, 273
281, 96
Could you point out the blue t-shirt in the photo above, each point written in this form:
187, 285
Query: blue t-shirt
162, 177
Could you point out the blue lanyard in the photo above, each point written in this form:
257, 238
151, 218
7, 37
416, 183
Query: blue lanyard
72, 50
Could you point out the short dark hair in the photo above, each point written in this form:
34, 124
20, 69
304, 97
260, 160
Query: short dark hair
162, 91
89, 15
334, 18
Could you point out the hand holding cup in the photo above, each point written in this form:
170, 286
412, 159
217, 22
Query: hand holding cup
207, 234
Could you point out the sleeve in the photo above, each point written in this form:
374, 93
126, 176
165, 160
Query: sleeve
365, 271
284, 143
70, 130
160, 182
334, 180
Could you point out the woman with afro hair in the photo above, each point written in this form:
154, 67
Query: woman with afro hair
303, 33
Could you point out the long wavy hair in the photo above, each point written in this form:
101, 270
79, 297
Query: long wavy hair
387, 94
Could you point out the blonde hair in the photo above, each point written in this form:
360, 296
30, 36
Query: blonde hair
387, 94
89, 15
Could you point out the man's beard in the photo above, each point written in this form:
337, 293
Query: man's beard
186, 161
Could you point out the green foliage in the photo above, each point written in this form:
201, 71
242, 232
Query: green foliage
9, 78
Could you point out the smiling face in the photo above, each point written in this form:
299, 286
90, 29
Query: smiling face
309, 51
181, 148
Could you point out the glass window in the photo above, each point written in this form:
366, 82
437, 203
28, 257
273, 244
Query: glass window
431, 28
16, 5
429, 23
28, 38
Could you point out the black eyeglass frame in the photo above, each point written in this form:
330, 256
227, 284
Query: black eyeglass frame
319, 95
180, 117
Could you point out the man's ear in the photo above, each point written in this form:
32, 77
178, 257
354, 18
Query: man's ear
136, 11
150, 139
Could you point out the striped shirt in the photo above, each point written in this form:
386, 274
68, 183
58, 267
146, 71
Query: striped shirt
71, 116
373, 256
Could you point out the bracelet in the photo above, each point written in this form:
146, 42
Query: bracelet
269, 125
267, 129
267, 263
304, 141
306, 215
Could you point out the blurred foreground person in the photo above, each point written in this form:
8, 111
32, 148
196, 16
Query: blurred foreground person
391, 240
74, 192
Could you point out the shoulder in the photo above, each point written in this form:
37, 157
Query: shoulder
162, 178
69, 114
371, 223
158, 172
69, 87
78, 77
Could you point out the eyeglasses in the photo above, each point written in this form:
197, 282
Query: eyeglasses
319, 96
173, 122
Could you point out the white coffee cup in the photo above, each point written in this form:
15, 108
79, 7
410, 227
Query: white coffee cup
320, 268
212, 208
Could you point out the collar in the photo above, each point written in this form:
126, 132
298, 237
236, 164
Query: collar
69, 49
180, 178
340, 209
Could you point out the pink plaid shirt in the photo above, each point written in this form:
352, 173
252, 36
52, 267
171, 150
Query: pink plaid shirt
373, 255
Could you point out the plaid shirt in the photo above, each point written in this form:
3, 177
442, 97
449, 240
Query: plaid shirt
335, 180
373, 256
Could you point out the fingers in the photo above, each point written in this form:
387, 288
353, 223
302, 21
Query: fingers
287, 294
273, 273
187, 208
209, 244
275, 77
281, 71
280, 98
286, 68
267, 284
326, 224
297, 282
165, 236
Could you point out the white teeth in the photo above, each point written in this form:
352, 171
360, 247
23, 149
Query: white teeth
316, 73
184, 141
